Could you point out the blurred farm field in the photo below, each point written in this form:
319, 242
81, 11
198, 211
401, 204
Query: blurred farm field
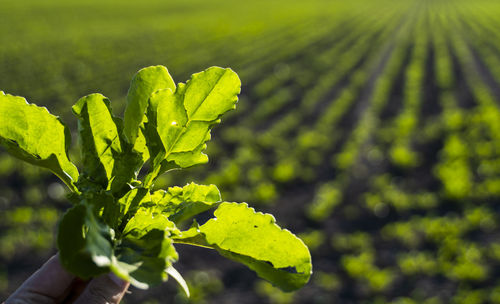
372, 128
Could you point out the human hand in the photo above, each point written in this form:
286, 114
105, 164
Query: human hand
52, 284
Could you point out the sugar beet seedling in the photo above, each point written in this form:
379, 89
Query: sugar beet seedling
118, 223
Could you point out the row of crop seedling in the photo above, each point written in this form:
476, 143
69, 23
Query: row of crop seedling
486, 45
346, 159
471, 147
59, 79
310, 75
429, 245
469, 263
347, 51
275, 139
405, 124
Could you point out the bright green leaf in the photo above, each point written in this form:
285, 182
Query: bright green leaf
254, 239
144, 83
125, 208
145, 220
99, 138
108, 160
179, 204
32, 134
183, 119
187, 159
140, 145
211, 93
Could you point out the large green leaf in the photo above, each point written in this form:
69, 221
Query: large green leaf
144, 83
32, 134
254, 239
182, 120
108, 160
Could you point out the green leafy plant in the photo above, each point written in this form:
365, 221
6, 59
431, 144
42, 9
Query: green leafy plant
118, 223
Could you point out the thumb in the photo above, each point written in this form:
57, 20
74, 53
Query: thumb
105, 289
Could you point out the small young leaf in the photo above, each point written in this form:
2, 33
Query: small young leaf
209, 194
179, 204
144, 83
196, 199
145, 220
32, 134
127, 206
187, 159
142, 259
